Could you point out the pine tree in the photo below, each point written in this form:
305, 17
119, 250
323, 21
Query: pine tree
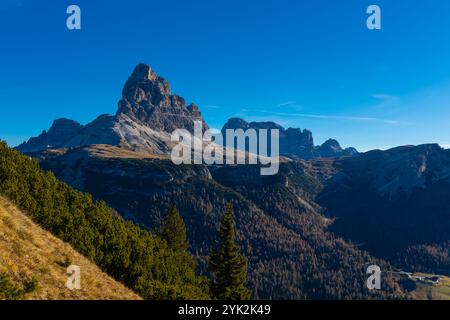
227, 265
173, 230
137, 257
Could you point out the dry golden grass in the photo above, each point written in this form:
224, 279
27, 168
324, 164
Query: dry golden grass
27, 250
107, 151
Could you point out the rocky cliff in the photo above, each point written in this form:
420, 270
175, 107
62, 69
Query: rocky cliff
147, 114
294, 142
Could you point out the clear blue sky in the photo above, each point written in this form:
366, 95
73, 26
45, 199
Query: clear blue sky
310, 64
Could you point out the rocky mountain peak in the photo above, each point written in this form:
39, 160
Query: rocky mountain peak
294, 141
330, 148
65, 123
331, 143
235, 123
143, 72
268, 125
60, 131
148, 113
148, 100
194, 110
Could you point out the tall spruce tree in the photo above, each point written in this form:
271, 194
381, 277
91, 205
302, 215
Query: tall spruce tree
227, 265
173, 230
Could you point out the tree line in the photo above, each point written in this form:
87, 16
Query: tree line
156, 265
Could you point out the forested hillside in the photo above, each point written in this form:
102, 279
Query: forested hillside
137, 258
279, 227
395, 203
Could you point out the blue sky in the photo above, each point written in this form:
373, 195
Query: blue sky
310, 64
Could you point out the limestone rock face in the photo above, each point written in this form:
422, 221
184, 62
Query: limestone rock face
147, 115
147, 99
330, 146
61, 131
294, 142
149, 112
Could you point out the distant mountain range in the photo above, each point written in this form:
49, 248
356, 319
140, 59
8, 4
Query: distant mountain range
293, 141
309, 232
147, 115
394, 201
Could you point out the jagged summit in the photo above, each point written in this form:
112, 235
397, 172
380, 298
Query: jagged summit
294, 142
146, 116
147, 99
149, 112
330, 148
143, 72
60, 131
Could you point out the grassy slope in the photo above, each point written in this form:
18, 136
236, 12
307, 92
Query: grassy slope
27, 250
432, 292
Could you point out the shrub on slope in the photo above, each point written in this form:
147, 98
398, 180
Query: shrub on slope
137, 258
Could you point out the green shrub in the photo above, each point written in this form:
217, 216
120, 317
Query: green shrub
139, 259
11, 290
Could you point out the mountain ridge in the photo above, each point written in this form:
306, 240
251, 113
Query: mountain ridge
149, 112
294, 142
279, 227
394, 202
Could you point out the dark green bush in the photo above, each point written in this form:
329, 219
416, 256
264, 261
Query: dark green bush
139, 259
11, 290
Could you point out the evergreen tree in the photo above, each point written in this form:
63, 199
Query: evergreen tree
138, 258
173, 230
228, 266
